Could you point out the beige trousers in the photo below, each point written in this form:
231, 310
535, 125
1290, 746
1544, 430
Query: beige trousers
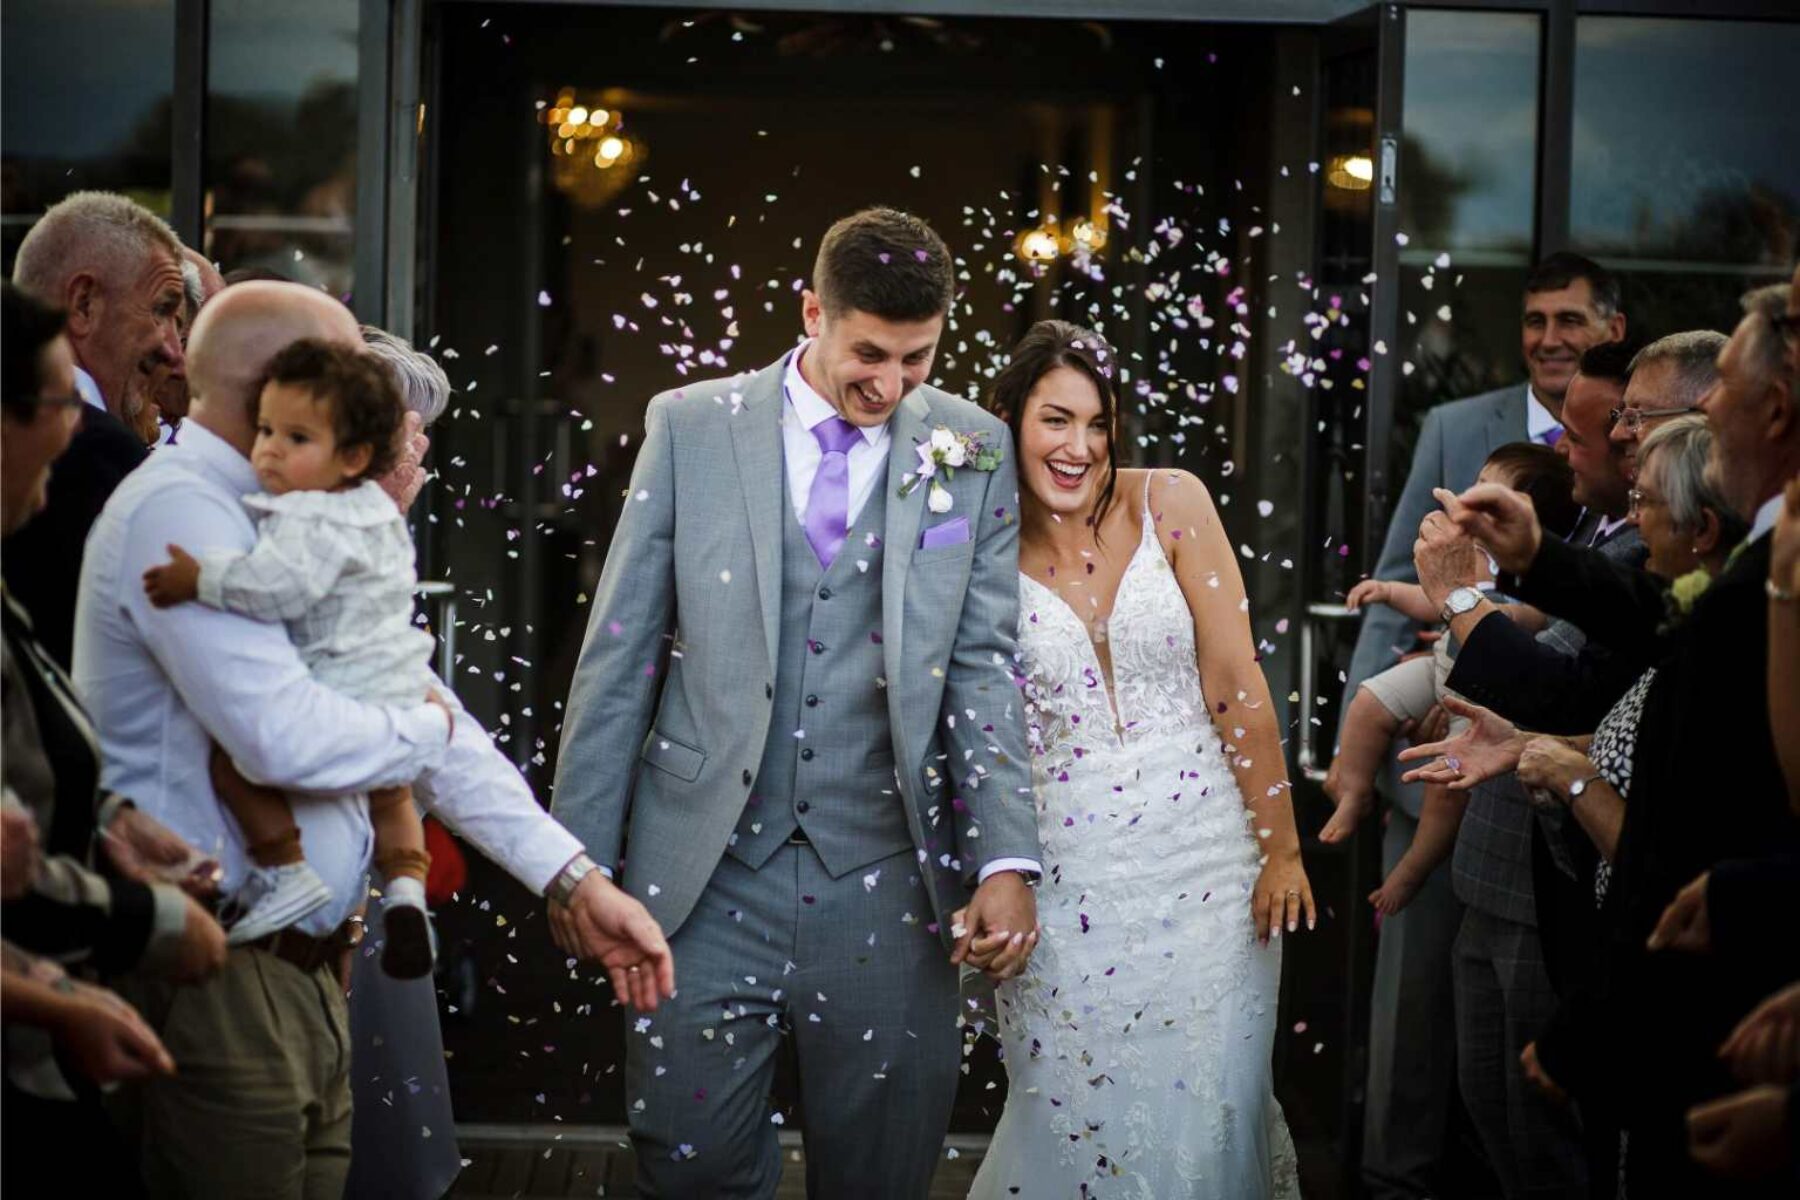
259, 1106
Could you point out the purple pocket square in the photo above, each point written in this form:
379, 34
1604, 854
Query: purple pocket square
953, 532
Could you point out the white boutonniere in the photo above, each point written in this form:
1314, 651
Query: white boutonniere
940, 455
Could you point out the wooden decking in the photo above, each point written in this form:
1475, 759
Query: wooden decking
541, 1162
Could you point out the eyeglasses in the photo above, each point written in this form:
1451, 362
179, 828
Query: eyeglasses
1639, 500
1634, 418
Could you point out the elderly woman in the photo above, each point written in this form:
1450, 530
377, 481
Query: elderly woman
403, 1136
1690, 531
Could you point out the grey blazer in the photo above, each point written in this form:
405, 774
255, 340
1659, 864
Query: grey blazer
1453, 443
671, 700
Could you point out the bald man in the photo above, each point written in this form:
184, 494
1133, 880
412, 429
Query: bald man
261, 1101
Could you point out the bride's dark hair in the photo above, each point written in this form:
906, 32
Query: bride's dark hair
1045, 347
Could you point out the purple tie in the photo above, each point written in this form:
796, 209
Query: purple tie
828, 507
1551, 436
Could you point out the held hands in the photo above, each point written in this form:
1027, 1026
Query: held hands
1490, 746
1283, 895
175, 582
602, 924
997, 931
1367, 591
1501, 519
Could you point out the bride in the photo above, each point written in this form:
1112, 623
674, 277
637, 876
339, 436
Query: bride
1137, 1042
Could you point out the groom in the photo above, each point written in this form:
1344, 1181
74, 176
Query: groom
801, 651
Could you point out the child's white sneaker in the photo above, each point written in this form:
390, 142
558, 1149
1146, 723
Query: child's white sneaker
276, 897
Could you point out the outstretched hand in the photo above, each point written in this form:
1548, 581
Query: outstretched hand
603, 924
1490, 746
998, 929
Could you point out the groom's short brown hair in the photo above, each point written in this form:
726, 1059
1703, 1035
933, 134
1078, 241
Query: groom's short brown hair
887, 263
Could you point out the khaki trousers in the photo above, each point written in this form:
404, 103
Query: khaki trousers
259, 1106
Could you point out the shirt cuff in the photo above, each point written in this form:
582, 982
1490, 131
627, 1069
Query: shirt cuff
1024, 866
209, 584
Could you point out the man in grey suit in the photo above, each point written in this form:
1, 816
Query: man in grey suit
1570, 303
794, 731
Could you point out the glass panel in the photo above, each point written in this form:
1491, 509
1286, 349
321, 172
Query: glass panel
83, 111
1685, 177
1468, 173
281, 138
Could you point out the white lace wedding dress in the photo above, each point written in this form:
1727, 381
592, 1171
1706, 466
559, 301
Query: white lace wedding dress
1137, 1043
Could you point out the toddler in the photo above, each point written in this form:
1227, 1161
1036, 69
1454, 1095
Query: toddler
334, 561
1407, 691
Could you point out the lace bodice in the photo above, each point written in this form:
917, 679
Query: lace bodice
1072, 708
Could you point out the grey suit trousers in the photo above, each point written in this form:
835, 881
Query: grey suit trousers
853, 971
1411, 1080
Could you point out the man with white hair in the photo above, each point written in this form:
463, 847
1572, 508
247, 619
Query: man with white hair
200, 282
115, 268
261, 1103
1668, 378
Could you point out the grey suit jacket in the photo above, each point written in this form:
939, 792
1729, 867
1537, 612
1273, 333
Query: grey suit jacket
1453, 443
671, 701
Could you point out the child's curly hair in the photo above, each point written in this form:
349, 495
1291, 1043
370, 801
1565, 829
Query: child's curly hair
365, 405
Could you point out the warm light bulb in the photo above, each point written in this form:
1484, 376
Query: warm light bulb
578, 115
611, 148
1038, 246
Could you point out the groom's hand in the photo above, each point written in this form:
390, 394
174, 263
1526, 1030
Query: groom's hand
603, 924
998, 930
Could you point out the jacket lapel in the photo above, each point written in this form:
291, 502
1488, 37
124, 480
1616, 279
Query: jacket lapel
908, 428
756, 443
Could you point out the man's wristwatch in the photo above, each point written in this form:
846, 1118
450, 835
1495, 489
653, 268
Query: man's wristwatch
562, 888
1459, 602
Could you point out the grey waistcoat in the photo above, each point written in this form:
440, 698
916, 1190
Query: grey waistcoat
828, 764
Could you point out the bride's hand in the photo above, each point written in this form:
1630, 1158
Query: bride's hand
1282, 892
1490, 746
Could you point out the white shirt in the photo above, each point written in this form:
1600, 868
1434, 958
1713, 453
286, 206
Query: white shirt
163, 684
337, 569
1764, 521
804, 409
1538, 421
89, 390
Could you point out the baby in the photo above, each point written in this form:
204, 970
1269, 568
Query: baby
334, 561
1407, 691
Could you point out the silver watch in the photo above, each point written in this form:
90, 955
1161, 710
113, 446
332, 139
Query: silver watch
562, 888
1459, 602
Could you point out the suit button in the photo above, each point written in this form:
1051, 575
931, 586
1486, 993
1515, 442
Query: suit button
806, 755
824, 593
812, 702
802, 806
768, 691
816, 647
747, 778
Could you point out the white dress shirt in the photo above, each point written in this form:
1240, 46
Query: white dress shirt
805, 408
1539, 424
1766, 515
163, 684
88, 390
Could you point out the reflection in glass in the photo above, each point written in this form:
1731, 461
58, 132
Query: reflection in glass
281, 138
57, 58
1468, 170
1468, 160
1685, 138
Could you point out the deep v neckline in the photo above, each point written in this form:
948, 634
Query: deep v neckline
1101, 669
